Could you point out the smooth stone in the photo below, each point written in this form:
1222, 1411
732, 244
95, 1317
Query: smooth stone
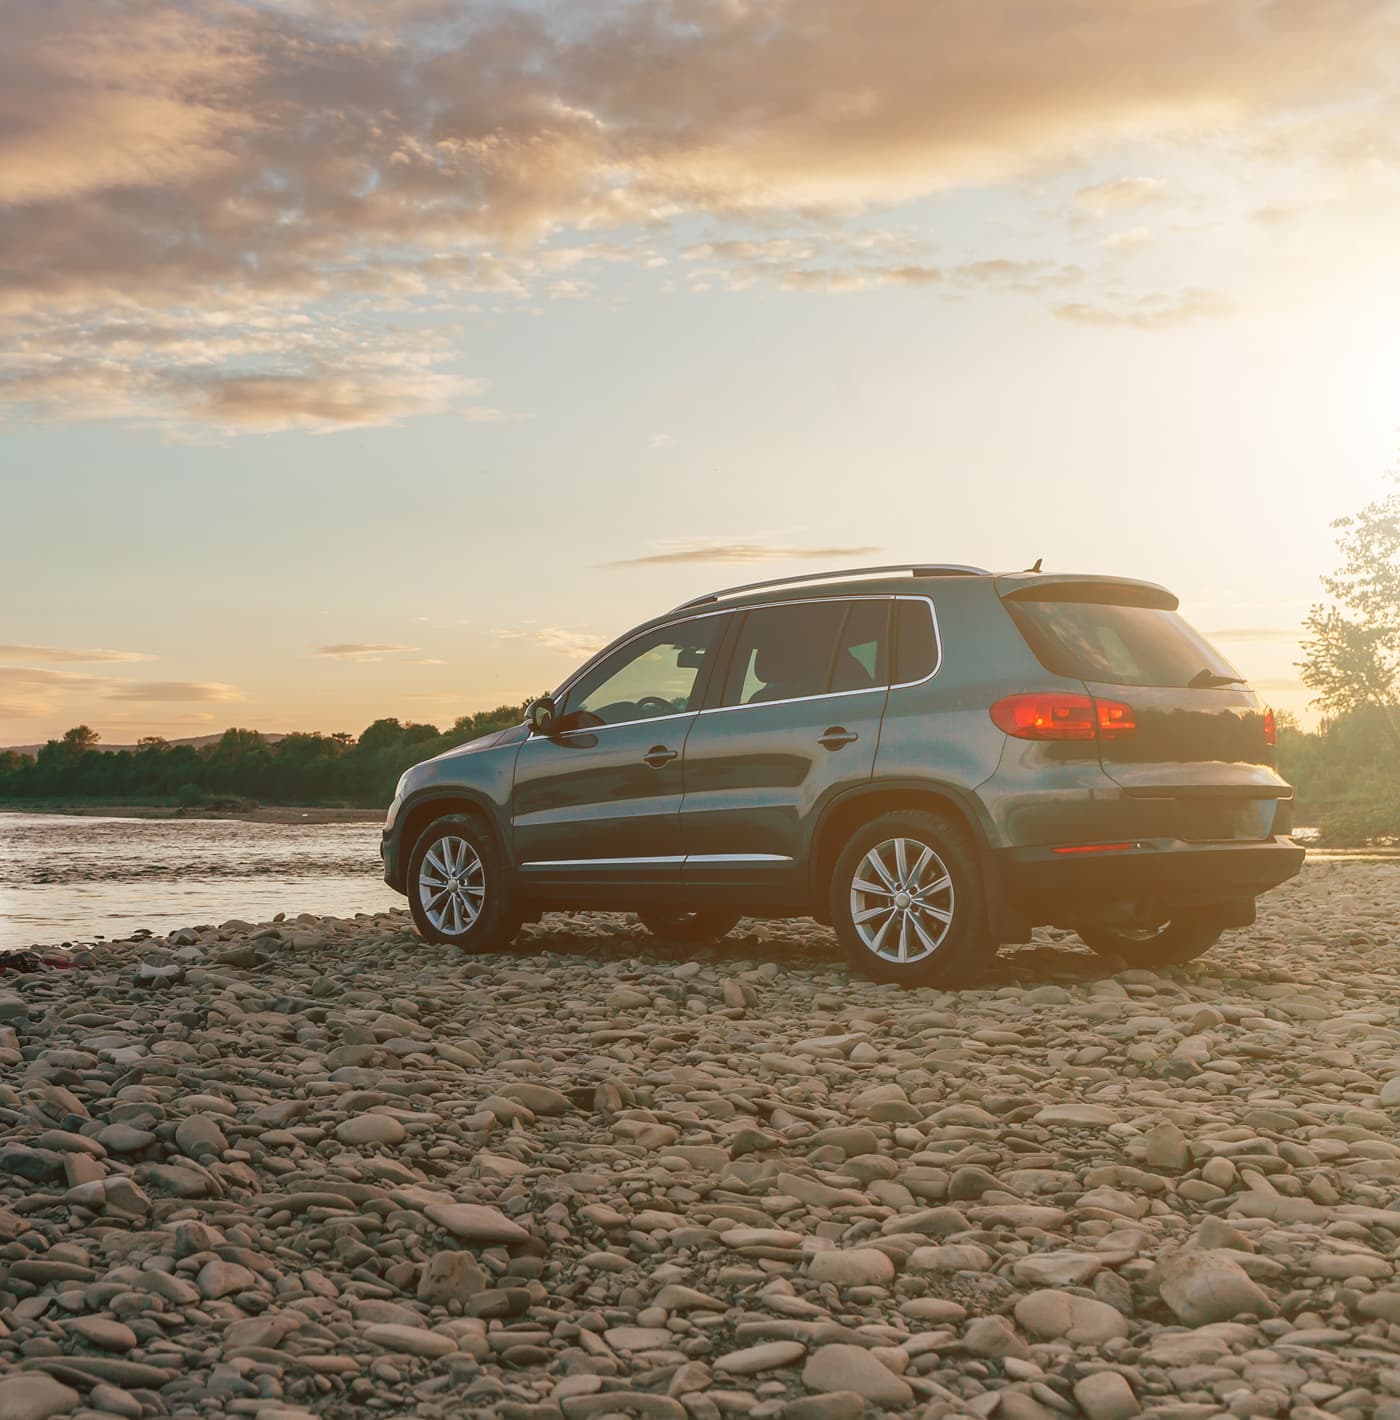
218, 1278
639, 1338
1054, 1315
538, 1099
835, 1405
993, 1336
1106, 1395
371, 1129
852, 1267
32, 1396
1167, 1148
411, 1340
475, 1222
1204, 1287
1077, 1116
840, 1366
103, 1332
767, 1356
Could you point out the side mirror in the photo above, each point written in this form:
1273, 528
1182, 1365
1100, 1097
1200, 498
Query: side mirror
542, 715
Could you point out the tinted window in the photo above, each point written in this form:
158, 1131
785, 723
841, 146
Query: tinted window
655, 675
783, 652
861, 649
1121, 645
916, 644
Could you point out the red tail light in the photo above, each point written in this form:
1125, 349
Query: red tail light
1059, 715
1270, 730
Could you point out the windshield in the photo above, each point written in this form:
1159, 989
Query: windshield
1119, 645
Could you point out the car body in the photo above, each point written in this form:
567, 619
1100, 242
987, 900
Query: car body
1100, 765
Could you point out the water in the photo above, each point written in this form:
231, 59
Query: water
76, 879
65, 878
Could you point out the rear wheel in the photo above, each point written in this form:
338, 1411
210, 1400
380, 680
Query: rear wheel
457, 886
706, 924
906, 900
1178, 940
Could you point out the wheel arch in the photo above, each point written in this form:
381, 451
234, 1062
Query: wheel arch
844, 815
427, 807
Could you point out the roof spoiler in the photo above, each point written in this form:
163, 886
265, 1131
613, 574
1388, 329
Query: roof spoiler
1105, 591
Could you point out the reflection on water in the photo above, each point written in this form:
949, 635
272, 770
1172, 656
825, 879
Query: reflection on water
76, 879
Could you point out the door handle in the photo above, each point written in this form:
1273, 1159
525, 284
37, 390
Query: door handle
837, 736
658, 755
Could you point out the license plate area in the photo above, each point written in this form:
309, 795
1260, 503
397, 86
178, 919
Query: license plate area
1225, 820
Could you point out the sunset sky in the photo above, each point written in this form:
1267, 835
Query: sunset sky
384, 357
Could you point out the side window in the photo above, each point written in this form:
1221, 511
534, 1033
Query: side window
654, 675
861, 654
787, 652
915, 642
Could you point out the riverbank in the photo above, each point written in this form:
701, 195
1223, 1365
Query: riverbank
320, 1167
260, 813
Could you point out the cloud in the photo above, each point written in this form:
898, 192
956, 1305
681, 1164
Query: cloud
362, 650
738, 552
251, 216
1147, 312
1119, 195
1128, 238
577, 644
30, 676
66, 654
316, 401
173, 690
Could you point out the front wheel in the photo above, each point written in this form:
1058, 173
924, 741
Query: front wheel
1179, 940
707, 924
457, 886
906, 900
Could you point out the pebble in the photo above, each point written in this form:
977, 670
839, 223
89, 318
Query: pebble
604, 1175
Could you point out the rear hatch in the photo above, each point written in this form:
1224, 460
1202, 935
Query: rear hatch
1193, 736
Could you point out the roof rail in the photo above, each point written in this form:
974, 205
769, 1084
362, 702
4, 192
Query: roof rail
917, 569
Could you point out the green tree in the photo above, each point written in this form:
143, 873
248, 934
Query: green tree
1352, 649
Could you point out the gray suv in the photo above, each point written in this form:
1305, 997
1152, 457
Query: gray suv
931, 759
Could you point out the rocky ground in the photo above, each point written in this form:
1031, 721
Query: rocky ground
318, 1167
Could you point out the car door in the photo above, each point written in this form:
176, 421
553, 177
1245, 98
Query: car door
596, 806
796, 721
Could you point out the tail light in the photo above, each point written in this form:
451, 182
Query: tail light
1060, 715
1270, 730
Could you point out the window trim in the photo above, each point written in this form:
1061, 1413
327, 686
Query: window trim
735, 612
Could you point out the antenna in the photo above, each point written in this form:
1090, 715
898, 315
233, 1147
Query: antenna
1036, 568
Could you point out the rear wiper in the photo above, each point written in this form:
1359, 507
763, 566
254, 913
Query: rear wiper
1208, 680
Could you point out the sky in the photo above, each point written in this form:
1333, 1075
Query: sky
386, 357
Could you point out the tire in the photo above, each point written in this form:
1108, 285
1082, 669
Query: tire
461, 842
943, 943
706, 924
1181, 939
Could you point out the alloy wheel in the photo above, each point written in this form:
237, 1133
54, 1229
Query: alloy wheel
451, 885
902, 900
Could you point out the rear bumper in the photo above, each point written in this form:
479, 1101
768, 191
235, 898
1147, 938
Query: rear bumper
1055, 886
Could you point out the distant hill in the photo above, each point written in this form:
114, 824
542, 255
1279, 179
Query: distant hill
198, 742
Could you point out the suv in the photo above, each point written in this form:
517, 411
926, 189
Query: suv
932, 760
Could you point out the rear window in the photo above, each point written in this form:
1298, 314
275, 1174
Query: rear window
1119, 645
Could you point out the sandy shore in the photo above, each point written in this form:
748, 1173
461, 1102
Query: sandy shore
264, 813
323, 1168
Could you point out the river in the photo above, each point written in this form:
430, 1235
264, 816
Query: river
77, 879
72, 879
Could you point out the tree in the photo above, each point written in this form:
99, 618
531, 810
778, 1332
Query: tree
1352, 650
77, 741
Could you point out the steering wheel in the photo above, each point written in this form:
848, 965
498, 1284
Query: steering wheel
651, 705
